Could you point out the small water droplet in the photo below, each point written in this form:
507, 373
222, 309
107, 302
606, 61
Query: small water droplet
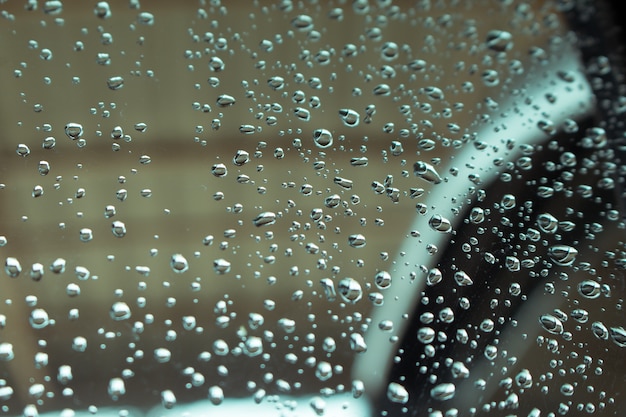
427, 172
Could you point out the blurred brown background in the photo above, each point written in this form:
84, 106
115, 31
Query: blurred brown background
165, 71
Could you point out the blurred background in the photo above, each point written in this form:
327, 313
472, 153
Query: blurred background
165, 91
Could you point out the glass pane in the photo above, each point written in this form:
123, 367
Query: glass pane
303, 208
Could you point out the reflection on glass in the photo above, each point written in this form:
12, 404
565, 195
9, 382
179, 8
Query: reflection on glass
311, 208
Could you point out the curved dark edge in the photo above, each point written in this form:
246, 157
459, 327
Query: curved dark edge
599, 26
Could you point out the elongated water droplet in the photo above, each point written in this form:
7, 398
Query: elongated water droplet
440, 224
225, 100
443, 392
265, 218
426, 172
589, 289
551, 324
562, 255
357, 241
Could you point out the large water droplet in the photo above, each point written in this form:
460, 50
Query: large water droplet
562, 255
350, 290
397, 393
443, 392
427, 172
551, 324
322, 138
179, 263
120, 311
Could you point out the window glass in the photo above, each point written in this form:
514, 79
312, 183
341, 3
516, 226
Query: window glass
308, 207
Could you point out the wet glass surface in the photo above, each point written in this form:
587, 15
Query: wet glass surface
284, 208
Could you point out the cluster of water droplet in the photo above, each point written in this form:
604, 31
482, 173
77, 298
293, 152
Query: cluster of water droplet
311, 125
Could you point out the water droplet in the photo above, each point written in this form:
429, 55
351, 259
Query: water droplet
241, 158
225, 100
53, 7
102, 10
303, 23
120, 311
302, 114
357, 343
115, 82
344, 183
168, 399
397, 393
433, 277
39, 318
524, 379
221, 266
12, 267
382, 279
462, 279
162, 355
551, 324
567, 389
350, 290
618, 335
265, 218
73, 130
547, 223
179, 263
349, 117
357, 241
562, 255
434, 93
117, 388
22, 150
276, 83
440, 224
322, 138
324, 371
599, 330
580, 315
118, 228
459, 370
219, 170
216, 64
426, 172
6, 352
253, 346
145, 18
589, 289
85, 234
216, 395
443, 392
499, 40
64, 375
425, 335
